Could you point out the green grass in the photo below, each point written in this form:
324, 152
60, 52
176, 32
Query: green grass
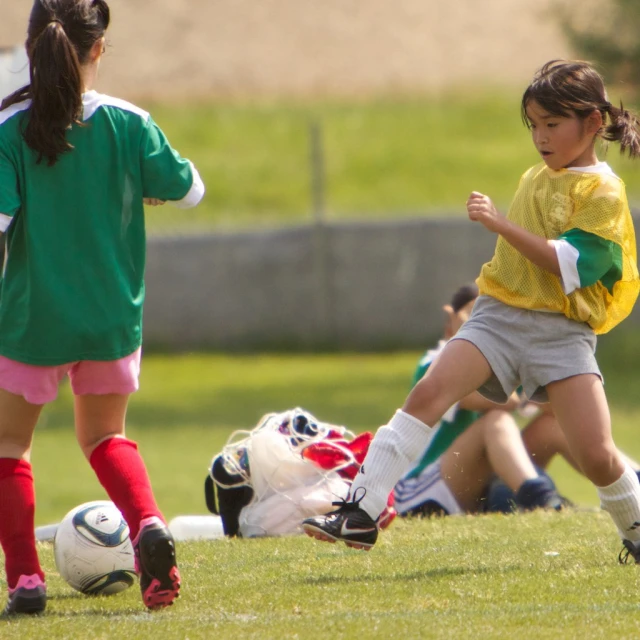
542, 576
388, 158
489, 577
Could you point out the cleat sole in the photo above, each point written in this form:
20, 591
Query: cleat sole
159, 574
323, 536
155, 597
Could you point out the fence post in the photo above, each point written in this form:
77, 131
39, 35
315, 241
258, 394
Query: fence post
321, 243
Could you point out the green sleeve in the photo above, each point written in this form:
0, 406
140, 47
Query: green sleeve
165, 175
598, 260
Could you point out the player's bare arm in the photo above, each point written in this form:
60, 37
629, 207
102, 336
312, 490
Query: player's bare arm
533, 247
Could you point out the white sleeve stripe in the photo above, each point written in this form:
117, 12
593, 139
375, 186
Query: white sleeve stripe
195, 193
11, 111
568, 260
5, 221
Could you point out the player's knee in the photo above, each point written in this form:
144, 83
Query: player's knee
429, 392
600, 464
500, 422
88, 444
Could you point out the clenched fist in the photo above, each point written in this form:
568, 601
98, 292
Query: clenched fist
481, 209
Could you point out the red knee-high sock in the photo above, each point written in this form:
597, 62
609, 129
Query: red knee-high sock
17, 524
122, 473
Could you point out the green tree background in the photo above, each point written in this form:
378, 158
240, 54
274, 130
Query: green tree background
606, 32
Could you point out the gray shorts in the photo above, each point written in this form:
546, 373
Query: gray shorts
528, 348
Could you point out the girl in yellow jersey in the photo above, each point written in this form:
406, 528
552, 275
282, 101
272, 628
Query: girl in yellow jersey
564, 270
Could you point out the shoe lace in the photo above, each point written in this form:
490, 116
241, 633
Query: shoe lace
349, 503
627, 550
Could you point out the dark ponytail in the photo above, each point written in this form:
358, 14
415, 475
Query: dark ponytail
60, 37
624, 128
56, 90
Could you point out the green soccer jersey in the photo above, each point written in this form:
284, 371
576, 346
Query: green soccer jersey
72, 287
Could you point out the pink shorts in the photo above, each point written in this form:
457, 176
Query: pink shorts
39, 385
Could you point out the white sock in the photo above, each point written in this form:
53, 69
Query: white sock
395, 446
622, 501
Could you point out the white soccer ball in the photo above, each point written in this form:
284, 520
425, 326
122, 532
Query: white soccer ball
93, 551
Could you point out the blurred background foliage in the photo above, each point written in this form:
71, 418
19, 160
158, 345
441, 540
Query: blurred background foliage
608, 33
388, 158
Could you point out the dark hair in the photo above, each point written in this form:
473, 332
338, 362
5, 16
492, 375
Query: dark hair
463, 296
561, 87
60, 36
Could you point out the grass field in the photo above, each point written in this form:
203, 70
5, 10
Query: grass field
392, 158
542, 576
539, 575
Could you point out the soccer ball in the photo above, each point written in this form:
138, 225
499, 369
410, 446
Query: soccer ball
93, 551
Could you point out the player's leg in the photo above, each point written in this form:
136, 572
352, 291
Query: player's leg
465, 466
505, 450
460, 369
580, 405
100, 430
493, 446
18, 418
543, 439
513, 466
465, 470
115, 459
101, 396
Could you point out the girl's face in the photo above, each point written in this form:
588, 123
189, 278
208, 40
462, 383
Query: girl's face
564, 141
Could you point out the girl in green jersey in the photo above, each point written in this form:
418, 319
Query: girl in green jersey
75, 169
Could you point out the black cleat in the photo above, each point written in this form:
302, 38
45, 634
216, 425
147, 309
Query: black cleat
29, 596
349, 523
629, 549
156, 564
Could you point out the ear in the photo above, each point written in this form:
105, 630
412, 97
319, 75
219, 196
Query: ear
594, 122
97, 50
